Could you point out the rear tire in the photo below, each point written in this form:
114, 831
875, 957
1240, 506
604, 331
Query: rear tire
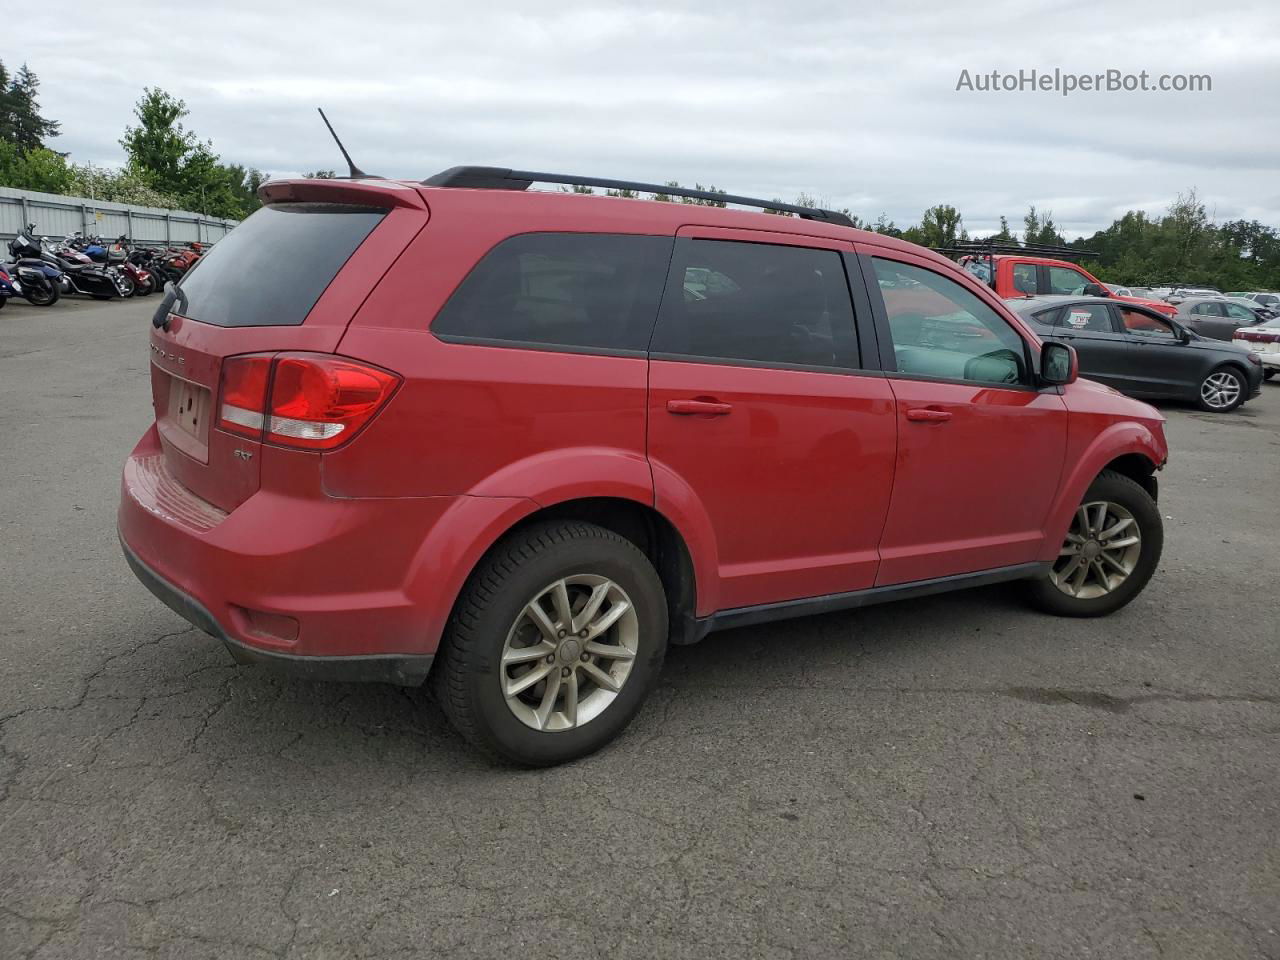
44, 298
1224, 389
496, 639
1268, 374
1114, 571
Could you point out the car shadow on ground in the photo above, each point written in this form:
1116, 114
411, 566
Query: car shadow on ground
179, 700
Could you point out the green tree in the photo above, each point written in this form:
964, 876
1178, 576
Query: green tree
40, 169
159, 148
1003, 234
941, 226
320, 175
21, 123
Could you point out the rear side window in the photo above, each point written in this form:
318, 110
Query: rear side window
577, 290
769, 303
1093, 317
270, 270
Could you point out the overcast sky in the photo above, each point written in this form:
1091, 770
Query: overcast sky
854, 103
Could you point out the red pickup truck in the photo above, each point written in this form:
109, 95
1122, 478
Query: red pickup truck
1027, 275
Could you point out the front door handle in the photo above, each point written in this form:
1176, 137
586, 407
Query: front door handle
706, 408
925, 415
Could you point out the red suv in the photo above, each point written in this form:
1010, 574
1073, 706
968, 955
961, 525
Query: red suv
521, 440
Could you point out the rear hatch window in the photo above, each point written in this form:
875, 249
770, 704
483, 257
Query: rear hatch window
270, 270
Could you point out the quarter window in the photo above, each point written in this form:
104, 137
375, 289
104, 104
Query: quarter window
578, 290
763, 302
942, 331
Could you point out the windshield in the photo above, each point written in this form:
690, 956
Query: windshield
271, 269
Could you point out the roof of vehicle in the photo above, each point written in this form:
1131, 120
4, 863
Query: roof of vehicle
1030, 305
1192, 301
629, 214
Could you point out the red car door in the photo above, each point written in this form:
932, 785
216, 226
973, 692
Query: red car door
763, 429
980, 448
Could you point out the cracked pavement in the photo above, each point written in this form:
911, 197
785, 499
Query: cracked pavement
955, 776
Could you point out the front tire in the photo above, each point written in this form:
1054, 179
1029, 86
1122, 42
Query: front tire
1110, 552
556, 640
1223, 390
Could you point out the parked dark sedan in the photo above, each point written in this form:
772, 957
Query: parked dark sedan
1216, 317
1143, 354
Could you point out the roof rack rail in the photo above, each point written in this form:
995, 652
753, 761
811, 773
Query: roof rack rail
501, 178
988, 247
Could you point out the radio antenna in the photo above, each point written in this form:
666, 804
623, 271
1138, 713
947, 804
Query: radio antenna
355, 172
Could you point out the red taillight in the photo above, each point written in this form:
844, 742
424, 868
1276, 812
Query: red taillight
316, 401
244, 395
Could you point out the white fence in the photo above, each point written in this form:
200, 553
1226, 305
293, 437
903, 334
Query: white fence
58, 216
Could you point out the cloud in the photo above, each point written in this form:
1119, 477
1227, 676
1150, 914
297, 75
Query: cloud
853, 103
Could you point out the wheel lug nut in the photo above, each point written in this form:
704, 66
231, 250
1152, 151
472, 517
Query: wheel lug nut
562, 633
551, 658
584, 656
564, 672
583, 633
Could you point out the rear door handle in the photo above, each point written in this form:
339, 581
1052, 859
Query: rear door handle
925, 415
707, 408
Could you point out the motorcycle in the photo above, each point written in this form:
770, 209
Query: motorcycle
118, 256
79, 273
8, 287
41, 281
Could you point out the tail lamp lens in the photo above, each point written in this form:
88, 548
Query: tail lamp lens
244, 395
316, 401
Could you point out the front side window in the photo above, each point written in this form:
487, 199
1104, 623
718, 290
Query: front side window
1091, 317
1143, 324
942, 331
1237, 312
578, 290
1067, 281
762, 302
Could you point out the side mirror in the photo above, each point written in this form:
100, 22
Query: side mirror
1095, 290
1183, 334
1059, 364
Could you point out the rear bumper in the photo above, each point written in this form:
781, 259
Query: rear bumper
350, 589
403, 669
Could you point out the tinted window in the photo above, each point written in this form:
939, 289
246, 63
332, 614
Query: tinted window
1024, 277
1237, 312
942, 330
757, 301
1066, 280
596, 291
270, 270
1143, 324
1087, 316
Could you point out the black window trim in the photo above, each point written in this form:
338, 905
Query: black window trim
889, 362
860, 308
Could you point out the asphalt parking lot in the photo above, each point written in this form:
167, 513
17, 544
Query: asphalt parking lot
952, 777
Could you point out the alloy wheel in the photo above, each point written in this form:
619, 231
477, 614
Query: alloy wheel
1221, 390
1100, 552
569, 652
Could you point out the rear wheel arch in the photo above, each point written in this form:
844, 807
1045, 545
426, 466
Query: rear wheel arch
655, 535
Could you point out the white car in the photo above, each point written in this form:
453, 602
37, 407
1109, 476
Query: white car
1264, 341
